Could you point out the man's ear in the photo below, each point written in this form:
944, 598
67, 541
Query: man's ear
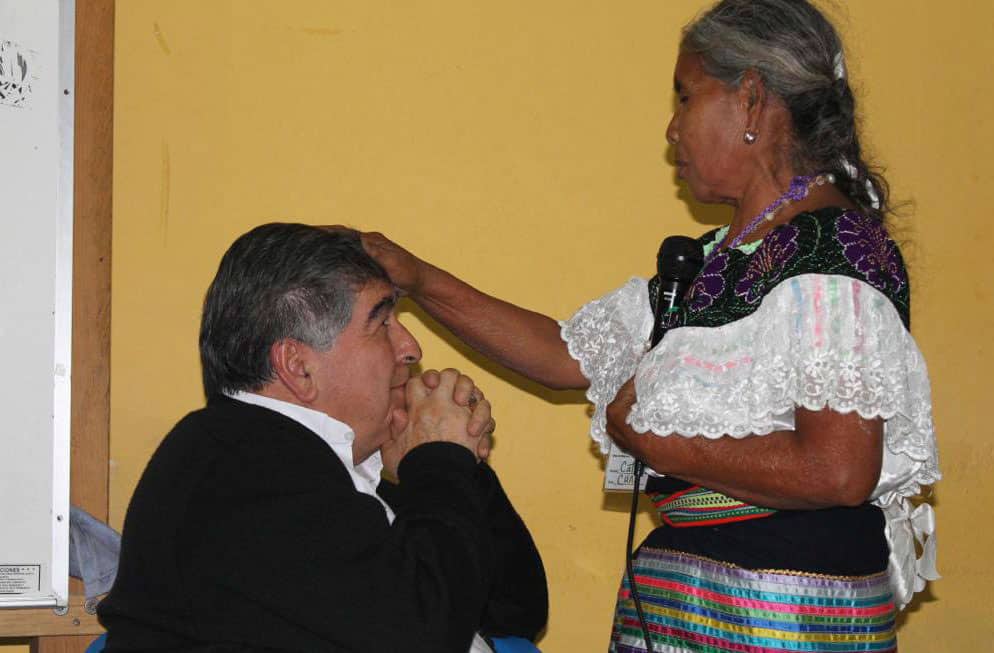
293, 363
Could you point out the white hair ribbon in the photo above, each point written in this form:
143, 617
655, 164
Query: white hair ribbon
840, 65
852, 173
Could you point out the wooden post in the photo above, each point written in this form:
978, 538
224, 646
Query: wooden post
90, 416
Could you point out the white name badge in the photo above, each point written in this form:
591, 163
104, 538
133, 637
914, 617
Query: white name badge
619, 471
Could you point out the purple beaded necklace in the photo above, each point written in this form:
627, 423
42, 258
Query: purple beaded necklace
798, 190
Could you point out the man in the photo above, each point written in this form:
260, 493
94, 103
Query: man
261, 523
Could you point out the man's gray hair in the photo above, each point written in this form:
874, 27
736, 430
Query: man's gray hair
799, 56
278, 281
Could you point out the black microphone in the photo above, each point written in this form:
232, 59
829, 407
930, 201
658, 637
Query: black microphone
679, 260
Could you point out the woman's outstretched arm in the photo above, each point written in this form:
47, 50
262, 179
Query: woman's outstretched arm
522, 340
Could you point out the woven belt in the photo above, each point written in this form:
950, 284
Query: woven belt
699, 506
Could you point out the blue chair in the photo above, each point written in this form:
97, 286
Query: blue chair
513, 645
97, 645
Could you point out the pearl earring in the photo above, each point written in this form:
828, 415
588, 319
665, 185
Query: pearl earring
750, 137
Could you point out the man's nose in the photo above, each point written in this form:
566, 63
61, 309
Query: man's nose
405, 346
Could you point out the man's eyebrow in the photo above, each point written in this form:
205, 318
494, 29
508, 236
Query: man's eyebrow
383, 306
677, 86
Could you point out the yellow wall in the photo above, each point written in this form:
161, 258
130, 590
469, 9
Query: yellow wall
521, 144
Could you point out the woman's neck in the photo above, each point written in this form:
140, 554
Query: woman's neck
762, 193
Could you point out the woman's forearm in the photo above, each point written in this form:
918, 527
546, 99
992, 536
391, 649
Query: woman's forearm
777, 470
829, 460
522, 340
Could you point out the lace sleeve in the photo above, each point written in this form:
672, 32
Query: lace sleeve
607, 336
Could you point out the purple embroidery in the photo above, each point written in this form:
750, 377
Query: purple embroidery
709, 284
868, 248
767, 264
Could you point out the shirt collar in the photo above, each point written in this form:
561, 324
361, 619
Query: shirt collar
329, 429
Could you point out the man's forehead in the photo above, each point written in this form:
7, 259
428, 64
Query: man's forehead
374, 290
374, 299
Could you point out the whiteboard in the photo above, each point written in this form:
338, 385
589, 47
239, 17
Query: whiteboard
37, 52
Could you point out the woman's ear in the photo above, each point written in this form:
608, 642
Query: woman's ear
293, 363
752, 98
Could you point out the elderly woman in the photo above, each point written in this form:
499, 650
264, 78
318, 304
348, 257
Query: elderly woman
786, 414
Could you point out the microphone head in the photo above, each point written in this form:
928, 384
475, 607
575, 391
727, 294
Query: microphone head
679, 259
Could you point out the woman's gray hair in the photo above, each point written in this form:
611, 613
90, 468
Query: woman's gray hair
799, 56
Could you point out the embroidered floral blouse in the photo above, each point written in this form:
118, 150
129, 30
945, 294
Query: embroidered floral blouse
814, 315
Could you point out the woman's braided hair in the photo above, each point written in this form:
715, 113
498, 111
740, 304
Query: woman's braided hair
799, 56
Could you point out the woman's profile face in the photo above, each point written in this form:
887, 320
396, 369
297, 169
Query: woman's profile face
706, 132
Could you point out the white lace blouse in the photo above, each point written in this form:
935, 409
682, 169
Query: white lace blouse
815, 341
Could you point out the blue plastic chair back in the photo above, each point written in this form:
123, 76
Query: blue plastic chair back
97, 645
513, 645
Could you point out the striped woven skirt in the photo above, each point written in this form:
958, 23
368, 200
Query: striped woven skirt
697, 604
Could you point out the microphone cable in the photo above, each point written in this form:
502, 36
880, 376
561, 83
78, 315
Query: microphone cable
679, 261
639, 470
629, 555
